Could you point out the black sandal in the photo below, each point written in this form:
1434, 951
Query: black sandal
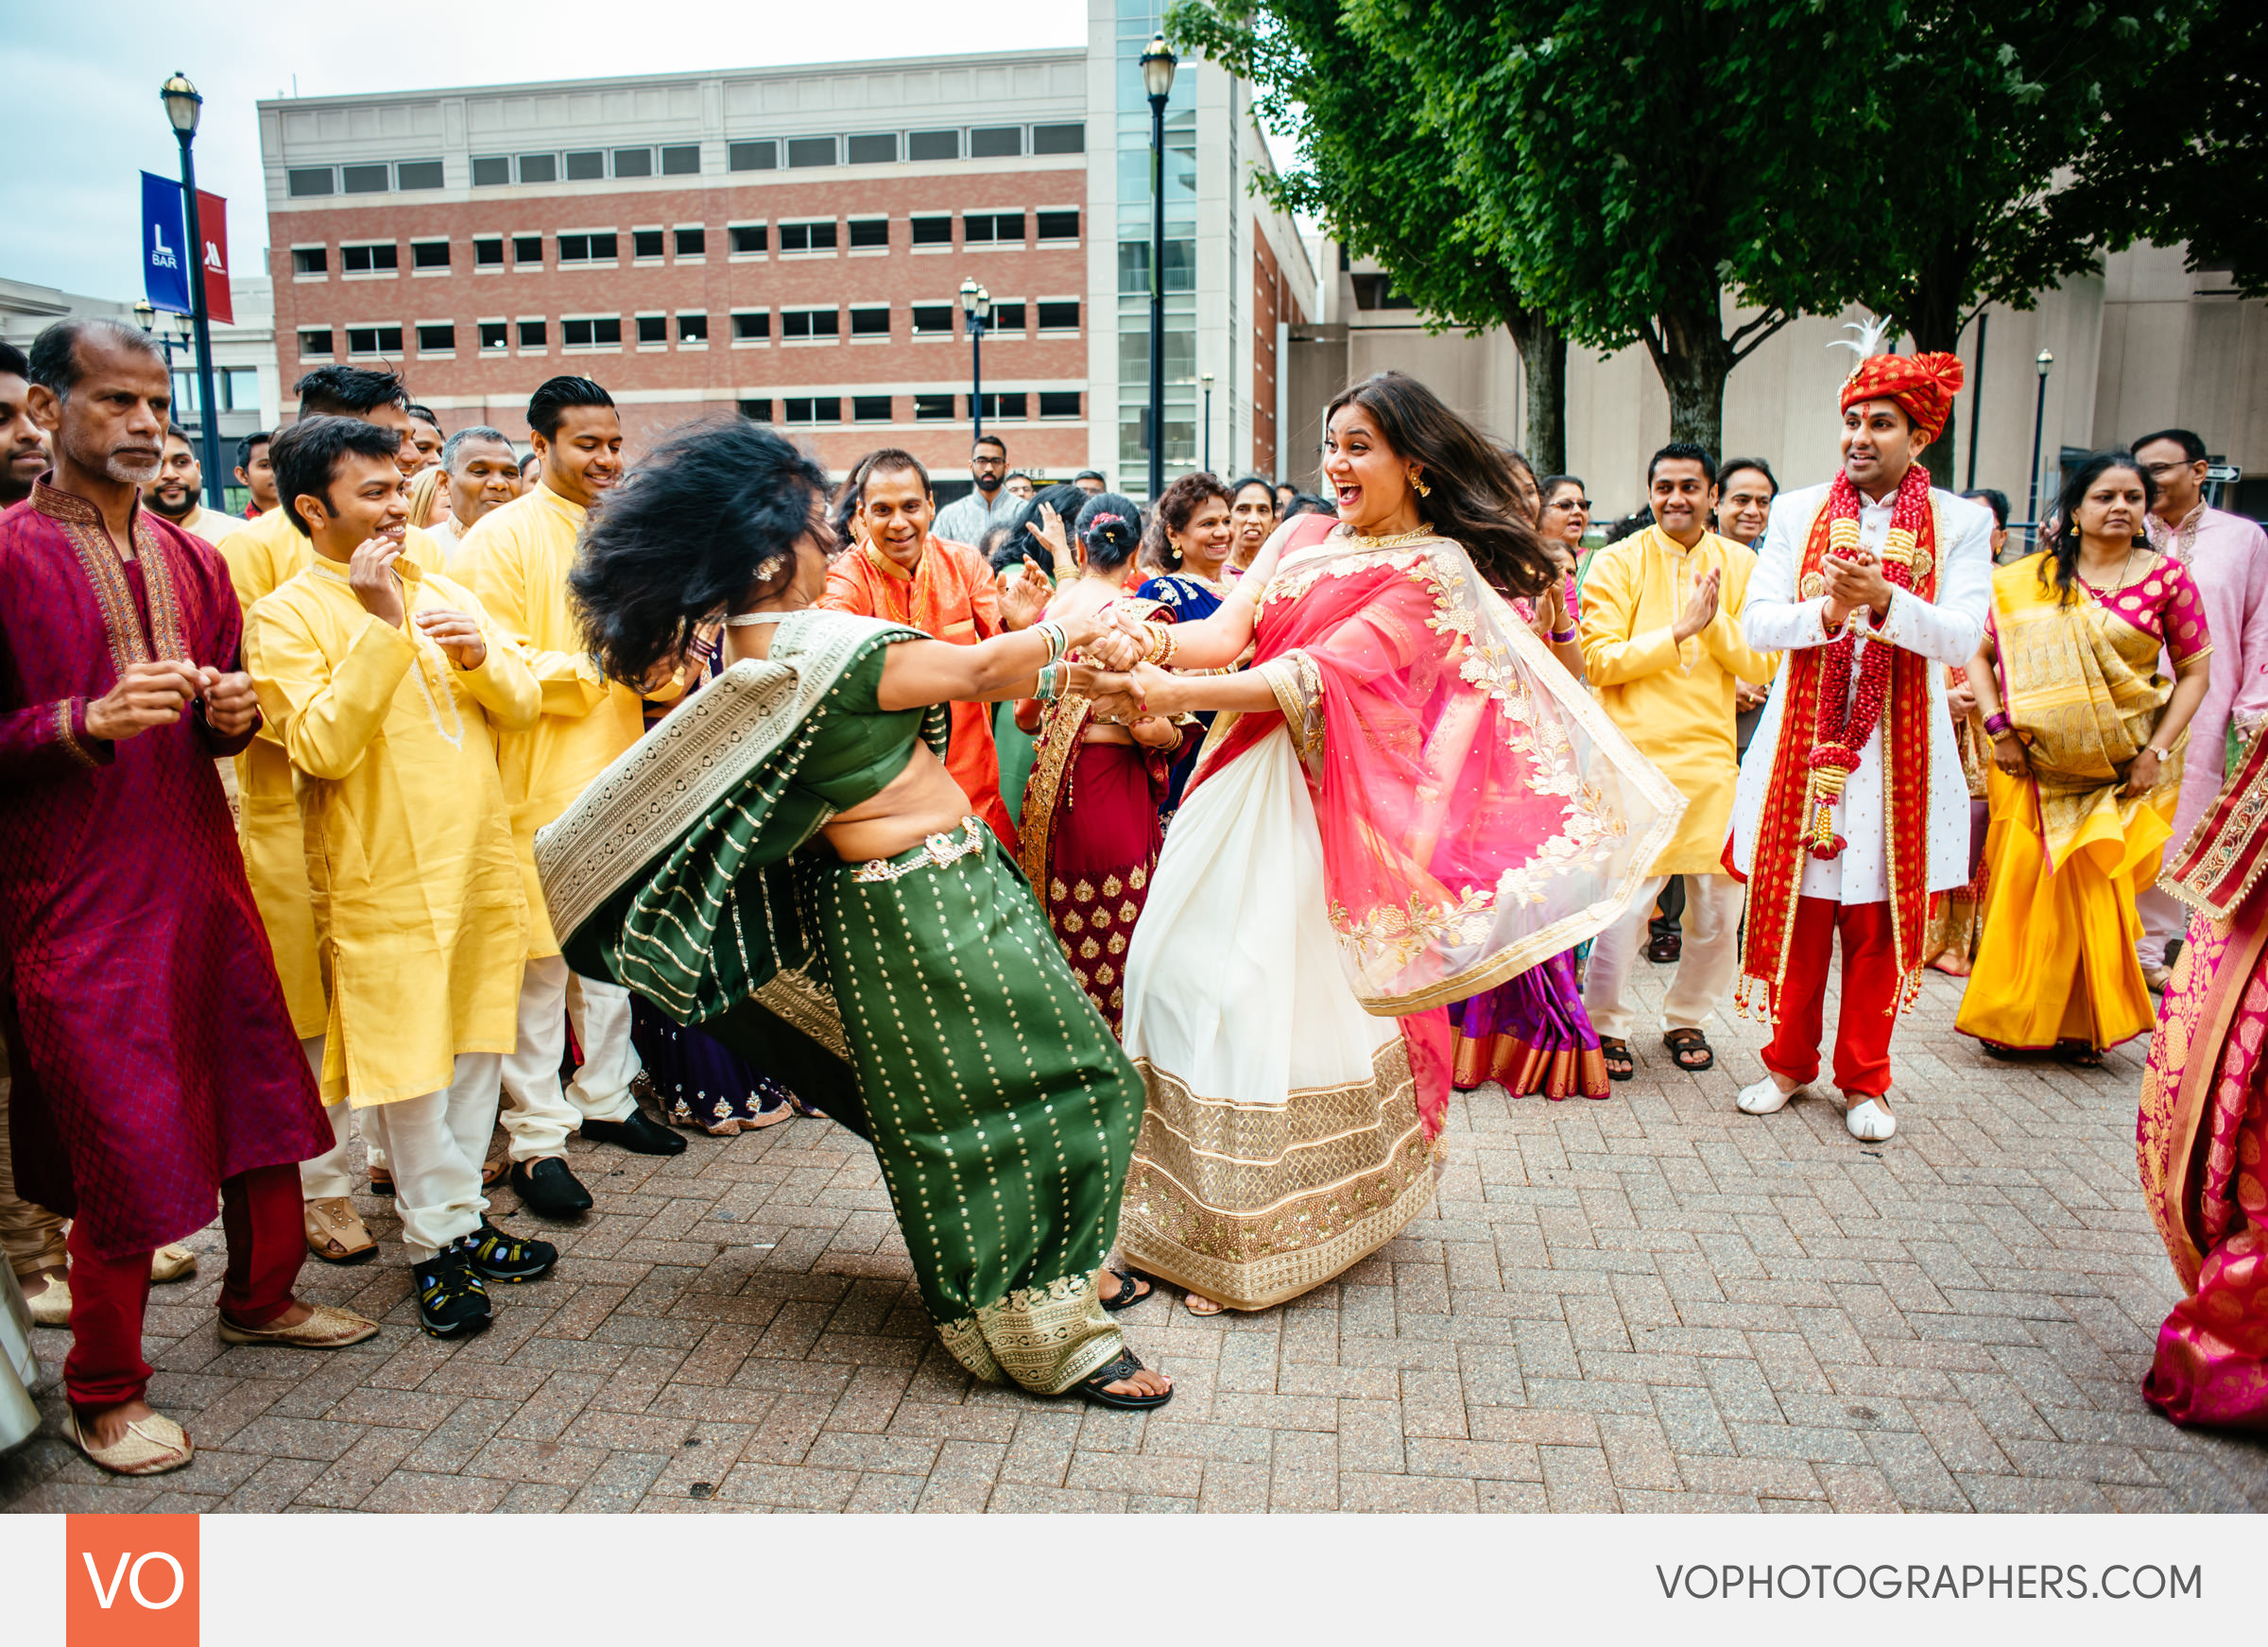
2079, 1054
1126, 1297
1621, 1066
1092, 1387
1681, 1041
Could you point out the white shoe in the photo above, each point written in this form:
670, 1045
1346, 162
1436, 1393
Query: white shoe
1765, 1097
1869, 1122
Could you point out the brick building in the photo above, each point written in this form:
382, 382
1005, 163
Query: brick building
789, 244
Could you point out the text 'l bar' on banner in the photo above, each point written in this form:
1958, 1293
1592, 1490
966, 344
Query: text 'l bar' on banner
164, 244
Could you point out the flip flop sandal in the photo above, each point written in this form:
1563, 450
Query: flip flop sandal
1091, 1388
1621, 1066
1682, 1041
1191, 1300
1126, 1297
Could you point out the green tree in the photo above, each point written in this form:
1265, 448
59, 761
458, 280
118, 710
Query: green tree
1377, 177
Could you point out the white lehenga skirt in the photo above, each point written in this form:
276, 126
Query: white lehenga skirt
1282, 1142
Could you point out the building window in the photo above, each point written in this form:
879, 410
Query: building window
993, 142
366, 179
748, 237
753, 157
429, 254
693, 241
596, 331
1058, 403
305, 181
933, 231
932, 146
384, 258
533, 334
310, 259
870, 321
1058, 224
528, 248
869, 233
315, 343
752, 325
373, 340
439, 338
809, 324
418, 174
491, 170
869, 408
867, 148
933, 408
1059, 316
807, 236
1070, 138
991, 227
756, 411
933, 319
810, 151
633, 162
681, 159
539, 168
495, 335
587, 249
814, 408
653, 330
1006, 317
488, 251
692, 328
585, 166
646, 243
1002, 406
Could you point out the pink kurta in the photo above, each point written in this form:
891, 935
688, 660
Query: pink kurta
152, 1052
2227, 558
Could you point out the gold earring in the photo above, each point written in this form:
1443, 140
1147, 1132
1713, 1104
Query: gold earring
1419, 481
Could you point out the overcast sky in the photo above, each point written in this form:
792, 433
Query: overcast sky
80, 116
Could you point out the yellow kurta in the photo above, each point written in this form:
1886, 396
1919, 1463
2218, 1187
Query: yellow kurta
516, 559
263, 556
1675, 699
419, 907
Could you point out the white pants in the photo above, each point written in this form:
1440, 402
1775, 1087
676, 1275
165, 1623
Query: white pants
1710, 957
537, 1113
435, 1146
2164, 919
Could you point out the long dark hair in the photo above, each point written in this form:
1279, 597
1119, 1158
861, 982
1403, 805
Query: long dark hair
682, 536
2063, 542
1473, 495
1176, 506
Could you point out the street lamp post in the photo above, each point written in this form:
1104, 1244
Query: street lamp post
976, 314
1206, 378
185, 104
1976, 401
1158, 65
2045, 361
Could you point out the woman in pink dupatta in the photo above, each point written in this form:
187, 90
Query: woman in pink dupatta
2203, 1135
1405, 801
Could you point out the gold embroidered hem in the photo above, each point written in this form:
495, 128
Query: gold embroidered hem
1044, 1339
1253, 1204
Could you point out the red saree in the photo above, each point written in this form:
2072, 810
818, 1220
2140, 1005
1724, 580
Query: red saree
2202, 1136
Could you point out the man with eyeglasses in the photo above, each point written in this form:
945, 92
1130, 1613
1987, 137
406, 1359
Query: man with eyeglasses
964, 519
2227, 558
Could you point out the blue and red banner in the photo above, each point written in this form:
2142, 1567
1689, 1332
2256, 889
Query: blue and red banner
164, 249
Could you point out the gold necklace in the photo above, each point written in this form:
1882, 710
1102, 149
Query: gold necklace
2124, 567
1396, 542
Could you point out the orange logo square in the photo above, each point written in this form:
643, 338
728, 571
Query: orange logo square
130, 1580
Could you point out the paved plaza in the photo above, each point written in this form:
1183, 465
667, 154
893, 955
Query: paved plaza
1647, 1303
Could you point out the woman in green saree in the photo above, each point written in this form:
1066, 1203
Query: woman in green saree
785, 861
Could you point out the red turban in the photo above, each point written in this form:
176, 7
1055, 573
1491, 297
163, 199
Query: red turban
1923, 385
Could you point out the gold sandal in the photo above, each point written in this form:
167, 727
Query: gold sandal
151, 1446
336, 1232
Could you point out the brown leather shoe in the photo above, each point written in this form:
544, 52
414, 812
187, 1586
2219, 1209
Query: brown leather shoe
336, 1232
329, 1327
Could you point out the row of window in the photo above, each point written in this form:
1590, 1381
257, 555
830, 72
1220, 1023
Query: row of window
691, 240
939, 408
588, 166
1055, 317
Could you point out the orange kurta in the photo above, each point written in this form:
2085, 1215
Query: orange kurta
950, 593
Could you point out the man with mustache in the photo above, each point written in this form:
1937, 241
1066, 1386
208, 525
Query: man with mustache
22, 443
155, 1069
177, 492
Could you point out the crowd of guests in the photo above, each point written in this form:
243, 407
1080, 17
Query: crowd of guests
1853, 712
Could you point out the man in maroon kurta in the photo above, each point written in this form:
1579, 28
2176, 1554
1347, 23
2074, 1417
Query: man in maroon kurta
155, 1069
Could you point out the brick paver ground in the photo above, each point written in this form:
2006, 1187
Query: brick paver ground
1647, 1303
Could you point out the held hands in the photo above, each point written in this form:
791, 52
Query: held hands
1119, 647
1134, 695
1962, 699
371, 575
1701, 609
1852, 584
457, 634
147, 695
